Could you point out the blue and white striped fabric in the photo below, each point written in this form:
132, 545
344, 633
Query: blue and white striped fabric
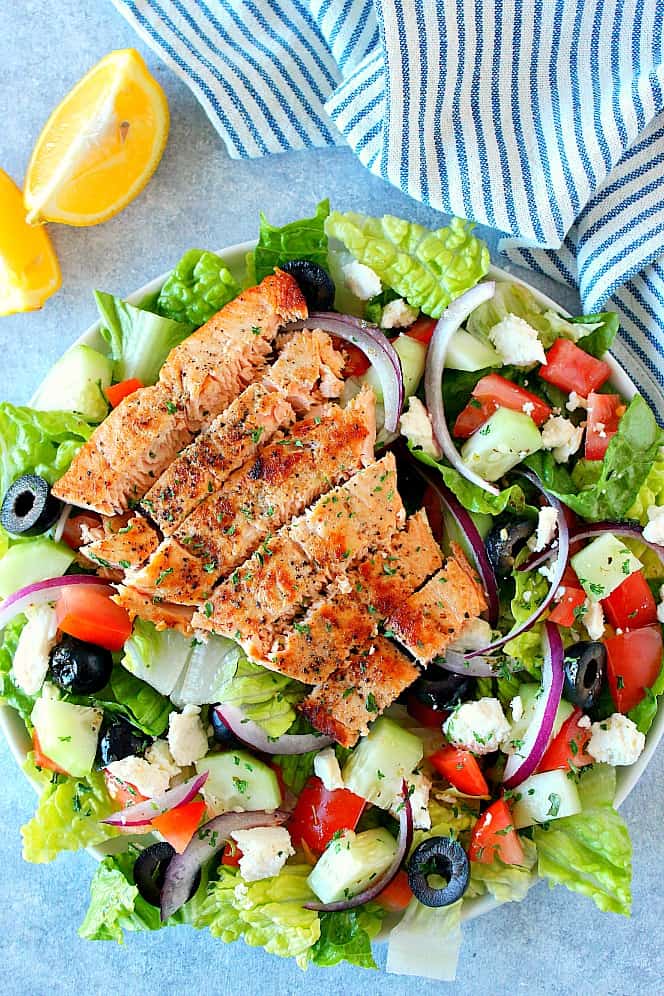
541, 118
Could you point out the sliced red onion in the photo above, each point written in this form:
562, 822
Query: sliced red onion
62, 522
206, 842
453, 318
255, 736
631, 530
41, 592
458, 663
376, 347
520, 766
558, 571
404, 841
141, 814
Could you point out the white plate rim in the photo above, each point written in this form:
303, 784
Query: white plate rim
14, 730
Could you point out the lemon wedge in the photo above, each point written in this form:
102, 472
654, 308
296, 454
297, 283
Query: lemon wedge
100, 145
29, 271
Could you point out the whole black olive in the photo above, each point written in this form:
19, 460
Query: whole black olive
442, 689
505, 541
314, 281
120, 739
585, 666
29, 508
150, 869
222, 734
445, 858
81, 668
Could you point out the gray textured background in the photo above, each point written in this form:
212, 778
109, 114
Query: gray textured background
553, 943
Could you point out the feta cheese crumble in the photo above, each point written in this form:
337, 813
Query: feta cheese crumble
150, 775
654, 529
398, 314
562, 436
478, 726
575, 401
32, 656
419, 787
517, 342
547, 527
616, 740
327, 768
416, 426
593, 619
361, 280
265, 851
187, 740
516, 705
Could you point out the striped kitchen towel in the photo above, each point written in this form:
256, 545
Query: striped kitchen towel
541, 118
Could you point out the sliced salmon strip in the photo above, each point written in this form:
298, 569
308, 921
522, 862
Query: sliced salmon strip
353, 696
126, 548
434, 617
308, 371
164, 615
175, 575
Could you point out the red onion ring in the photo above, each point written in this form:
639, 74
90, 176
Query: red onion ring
538, 734
376, 347
453, 318
255, 736
561, 564
404, 841
41, 592
632, 530
457, 663
141, 814
62, 522
206, 842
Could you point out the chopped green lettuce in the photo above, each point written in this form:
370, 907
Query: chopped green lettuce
347, 937
33, 442
12, 694
67, 816
145, 707
373, 310
650, 493
597, 785
301, 239
139, 340
428, 269
506, 883
266, 697
644, 713
157, 657
472, 497
199, 286
530, 589
426, 942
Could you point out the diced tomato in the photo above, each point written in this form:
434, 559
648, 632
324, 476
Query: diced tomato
179, 825
433, 507
356, 362
604, 414
568, 749
424, 714
41, 760
72, 534
634, 660
231, 855
396, 896
319, 814
422, 330
118, 392
506, 394
632, 604
473, 417
122, 792
461, 769
572, 369
87, 612
494, 837
574, 596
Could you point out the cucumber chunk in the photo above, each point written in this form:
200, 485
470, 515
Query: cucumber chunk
67, 733
467, 352
33, 561
504, 440
76, 383
237, 780
351, 863
603, 565
377, 766
547, 796
413, 356
529, 694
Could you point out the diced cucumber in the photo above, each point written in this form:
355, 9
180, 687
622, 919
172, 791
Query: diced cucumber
376, 768
467, 352
547, 796
238, 780
33, 561
413, 356
156, 658
603, 565
211, 665
351, 863
76, 383
504, 440
528, 693
67, 733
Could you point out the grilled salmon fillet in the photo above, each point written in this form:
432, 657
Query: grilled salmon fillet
346, 618
140, 438
353, 696
435, 615
164, 615
308, 370
125, 548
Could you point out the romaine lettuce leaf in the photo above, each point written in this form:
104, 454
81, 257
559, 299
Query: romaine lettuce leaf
530, 589
428, 269
472, 497
157, 657
506, 883
644, 713
650, 493
10, 693
198, 287
33, 442
301, 239
145, 707
67, 816
139, 340
596, 785
347, 937
265, 696
426, 942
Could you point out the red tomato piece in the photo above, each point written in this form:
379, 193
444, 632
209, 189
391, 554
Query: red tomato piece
604, 414
473, 417
118, 392
231, 855
574, 596
319, 814
179, 825
568, 749
634, 660
461, 769
494, 837
122, 792
396, 896
72, 534
505, 394
572, 369
356, 362
41, 760
424, 714
88, 613
422, 330
632, 604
